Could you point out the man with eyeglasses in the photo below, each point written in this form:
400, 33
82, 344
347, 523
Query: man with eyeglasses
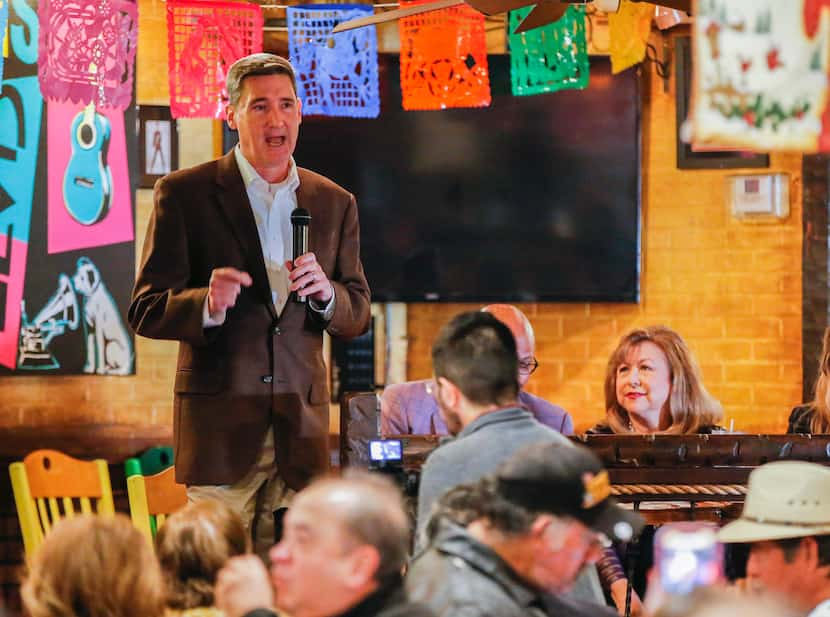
410, 409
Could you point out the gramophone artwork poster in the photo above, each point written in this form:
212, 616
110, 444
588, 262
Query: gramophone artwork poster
64, 288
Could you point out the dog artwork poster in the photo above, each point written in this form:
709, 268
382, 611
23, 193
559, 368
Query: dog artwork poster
67, 236
81, 302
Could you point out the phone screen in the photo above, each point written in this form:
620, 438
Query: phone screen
686, 556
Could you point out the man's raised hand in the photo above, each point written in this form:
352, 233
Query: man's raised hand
223, 290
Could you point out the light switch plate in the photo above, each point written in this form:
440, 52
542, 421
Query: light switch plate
758, 197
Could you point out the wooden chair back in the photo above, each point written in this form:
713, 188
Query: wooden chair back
154, 497
49, 485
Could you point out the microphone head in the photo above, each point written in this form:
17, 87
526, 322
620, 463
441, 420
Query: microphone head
300, 216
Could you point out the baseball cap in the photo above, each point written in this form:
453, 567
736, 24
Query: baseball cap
566, 480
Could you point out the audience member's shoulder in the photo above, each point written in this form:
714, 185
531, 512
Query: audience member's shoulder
321, 183
533, 402
408, 609
547, 413
451, 587
568, 606
405, 389
446, 453
601, 428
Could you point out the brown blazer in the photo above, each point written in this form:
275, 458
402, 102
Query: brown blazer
257, 369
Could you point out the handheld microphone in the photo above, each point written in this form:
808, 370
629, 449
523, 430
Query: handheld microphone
300, 218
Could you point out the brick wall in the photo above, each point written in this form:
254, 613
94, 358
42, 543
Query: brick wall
733, 291
152, 81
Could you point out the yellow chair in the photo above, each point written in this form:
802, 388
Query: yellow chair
152, 498
49, 485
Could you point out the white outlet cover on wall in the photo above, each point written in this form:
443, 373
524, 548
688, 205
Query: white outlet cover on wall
758, 197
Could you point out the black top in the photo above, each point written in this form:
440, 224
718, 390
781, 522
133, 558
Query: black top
387, 601
800, 418
603, 428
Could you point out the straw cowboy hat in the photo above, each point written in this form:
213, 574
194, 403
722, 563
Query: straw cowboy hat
786, 499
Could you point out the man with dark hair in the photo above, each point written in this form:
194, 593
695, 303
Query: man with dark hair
786, 522
345, 544
251, 402
408, 409
475, 366
531, 527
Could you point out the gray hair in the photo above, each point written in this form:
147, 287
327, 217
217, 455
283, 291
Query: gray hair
257, 64
374, 515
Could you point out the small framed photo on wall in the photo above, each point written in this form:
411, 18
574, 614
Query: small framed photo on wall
158, 144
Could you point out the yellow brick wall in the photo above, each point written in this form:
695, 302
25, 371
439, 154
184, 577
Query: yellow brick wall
733, 291
152, 79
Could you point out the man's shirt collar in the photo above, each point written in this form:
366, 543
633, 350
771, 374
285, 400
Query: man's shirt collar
251, 177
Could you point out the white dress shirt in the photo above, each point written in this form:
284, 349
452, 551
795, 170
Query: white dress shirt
272, 205
822, 610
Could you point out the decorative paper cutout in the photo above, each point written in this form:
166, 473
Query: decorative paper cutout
760, 82
628, 30
813, 11
444, 59
669, 18
87, 51
550, 58
21, 107
4, 42
337, 75
204, 39
66, 161
812, 15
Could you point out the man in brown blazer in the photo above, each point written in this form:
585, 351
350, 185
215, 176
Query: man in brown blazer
251, 400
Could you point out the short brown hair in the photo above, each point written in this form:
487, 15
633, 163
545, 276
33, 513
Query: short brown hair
93, 566
691, 407
477, 353
256, 64
193, 545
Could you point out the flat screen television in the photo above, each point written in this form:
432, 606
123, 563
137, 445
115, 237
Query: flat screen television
534, 198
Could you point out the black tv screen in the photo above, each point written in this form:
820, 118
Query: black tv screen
534, 198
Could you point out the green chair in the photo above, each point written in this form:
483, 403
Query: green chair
150, 462
152, 489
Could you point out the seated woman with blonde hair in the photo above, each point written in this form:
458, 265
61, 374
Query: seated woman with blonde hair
192, 546
814, 417
653, 385
93, 566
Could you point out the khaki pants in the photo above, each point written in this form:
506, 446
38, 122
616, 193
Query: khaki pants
255, 497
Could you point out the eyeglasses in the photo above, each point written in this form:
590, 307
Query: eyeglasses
528, 365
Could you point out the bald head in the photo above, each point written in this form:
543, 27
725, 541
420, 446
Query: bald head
346, 536
522, 331
370, 510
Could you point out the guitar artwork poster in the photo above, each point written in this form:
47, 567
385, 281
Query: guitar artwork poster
88, 174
